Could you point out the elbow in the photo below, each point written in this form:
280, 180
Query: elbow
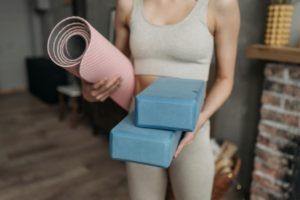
224, 80
227, 84
231, 83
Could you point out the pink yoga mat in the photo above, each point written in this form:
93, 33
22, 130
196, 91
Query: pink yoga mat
77, 47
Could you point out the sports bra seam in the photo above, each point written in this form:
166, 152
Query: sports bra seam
134, 11
205, 14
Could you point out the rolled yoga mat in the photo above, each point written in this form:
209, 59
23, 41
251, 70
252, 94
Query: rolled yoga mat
170, 103
143, 145
77, 47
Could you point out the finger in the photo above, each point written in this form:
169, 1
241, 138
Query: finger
104, 89
189, 142
104, 98
99, 83
107, 92
116, 88
180, 147
114, 81
111, 92
113, 85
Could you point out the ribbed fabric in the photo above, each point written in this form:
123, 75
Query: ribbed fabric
181, 50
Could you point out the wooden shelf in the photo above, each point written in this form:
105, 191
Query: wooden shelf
280, 54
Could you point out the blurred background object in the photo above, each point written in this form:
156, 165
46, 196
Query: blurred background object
279, 24
43, 79
74, 92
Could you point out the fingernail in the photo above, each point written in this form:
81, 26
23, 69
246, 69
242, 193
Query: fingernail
105, 80
119, 77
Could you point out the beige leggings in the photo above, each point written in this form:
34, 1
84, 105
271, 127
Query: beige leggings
191, 173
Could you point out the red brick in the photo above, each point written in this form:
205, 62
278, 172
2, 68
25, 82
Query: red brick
267, 142
270, 99
267, 183
274, 87
270, 169
279, 117
294, 73
282, 88
292, 90
273, 159
258, 190
274, 70
254, 197
292, 104
279, 132
278, 144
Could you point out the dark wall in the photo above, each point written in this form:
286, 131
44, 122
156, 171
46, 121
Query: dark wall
98, 14
15, 43
295, 30
238, 117
51, 17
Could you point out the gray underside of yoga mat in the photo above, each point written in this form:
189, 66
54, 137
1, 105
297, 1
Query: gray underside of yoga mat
76, 45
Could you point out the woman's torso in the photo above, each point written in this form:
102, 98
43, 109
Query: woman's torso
171, 37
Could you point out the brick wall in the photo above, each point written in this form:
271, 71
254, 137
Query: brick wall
276, 163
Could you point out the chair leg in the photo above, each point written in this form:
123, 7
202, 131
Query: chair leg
61, 107
74, 112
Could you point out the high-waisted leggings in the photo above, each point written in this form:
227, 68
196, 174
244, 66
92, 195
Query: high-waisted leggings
191, 173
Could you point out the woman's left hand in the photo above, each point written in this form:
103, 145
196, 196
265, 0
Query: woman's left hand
189, 136
186, 140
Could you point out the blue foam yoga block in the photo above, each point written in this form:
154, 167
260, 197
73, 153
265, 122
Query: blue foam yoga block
143, 145
170, 103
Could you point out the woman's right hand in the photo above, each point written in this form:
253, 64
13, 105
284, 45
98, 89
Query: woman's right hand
100, 90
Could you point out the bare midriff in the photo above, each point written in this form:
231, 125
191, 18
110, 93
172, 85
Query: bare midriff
143, 81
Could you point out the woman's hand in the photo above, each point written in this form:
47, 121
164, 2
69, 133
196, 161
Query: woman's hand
187, 140
189, 136
101, 90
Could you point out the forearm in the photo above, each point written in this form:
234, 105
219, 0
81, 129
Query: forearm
215, 99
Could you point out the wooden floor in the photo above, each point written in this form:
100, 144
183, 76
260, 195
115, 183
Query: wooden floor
44, 159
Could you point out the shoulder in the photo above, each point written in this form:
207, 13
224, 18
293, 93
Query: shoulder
123, 11
125, 4
225, 6
226, 13
125, 7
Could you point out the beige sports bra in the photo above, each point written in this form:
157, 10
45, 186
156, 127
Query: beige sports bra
181, 50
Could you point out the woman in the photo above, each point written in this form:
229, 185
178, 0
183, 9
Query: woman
175, 38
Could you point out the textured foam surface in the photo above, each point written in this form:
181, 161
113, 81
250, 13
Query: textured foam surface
77, 47
170, 103
143, 145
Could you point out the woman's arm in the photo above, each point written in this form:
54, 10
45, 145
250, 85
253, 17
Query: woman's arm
226, 18
122, 22
101, 90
